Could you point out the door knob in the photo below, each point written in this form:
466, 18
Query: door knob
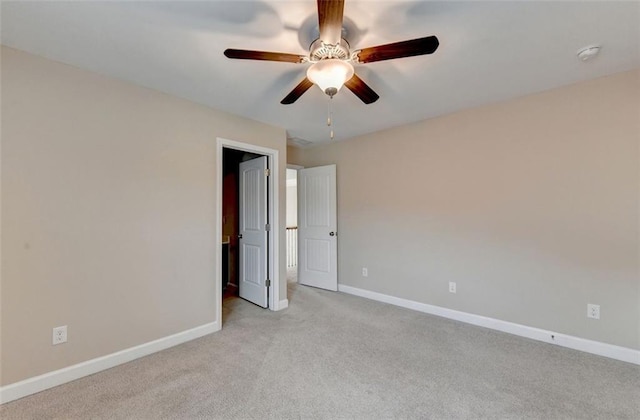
332, 234
240, 236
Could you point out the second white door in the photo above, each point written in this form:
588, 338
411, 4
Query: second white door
317, 227
253, 239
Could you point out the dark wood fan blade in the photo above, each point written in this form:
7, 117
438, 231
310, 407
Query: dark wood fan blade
263, 55
330, 14
297, 92
420, 46
361, 90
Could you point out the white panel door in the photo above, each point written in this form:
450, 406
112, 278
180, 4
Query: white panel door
253, 231
317, 227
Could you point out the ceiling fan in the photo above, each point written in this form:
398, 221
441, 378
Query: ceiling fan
332, 60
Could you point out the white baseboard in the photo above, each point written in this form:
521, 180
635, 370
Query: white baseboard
283, 304
595, 347
58, 377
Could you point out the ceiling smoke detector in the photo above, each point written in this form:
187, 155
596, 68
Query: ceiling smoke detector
588, 53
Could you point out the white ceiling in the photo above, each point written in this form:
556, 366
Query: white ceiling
489, 51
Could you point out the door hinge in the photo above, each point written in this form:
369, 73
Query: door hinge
267, 172
267, 283
267, 227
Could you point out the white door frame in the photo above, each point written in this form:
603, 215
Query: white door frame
274, 238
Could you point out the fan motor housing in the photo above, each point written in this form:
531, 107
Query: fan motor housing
319, 50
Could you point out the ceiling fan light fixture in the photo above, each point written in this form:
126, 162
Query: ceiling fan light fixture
330, 74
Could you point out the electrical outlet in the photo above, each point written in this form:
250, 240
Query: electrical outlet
365, 272
593, 311
452, 286
59, 335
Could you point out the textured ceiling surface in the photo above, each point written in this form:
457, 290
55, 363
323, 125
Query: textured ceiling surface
489, 51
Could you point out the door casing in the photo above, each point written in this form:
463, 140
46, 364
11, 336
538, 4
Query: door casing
275, 301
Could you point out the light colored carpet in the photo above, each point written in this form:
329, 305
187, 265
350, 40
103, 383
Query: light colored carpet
334, 356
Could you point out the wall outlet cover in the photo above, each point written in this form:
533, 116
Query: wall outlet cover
452, 286
59, 335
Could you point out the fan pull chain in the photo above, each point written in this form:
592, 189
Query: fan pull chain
330, 117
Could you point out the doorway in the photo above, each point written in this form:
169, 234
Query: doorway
232, 160
228, 154
292, 223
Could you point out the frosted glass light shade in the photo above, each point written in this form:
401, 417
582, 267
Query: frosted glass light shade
330, 74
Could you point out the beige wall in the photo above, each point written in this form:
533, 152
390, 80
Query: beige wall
530, 206
108, 207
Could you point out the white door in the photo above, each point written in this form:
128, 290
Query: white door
317, 227
253, 231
